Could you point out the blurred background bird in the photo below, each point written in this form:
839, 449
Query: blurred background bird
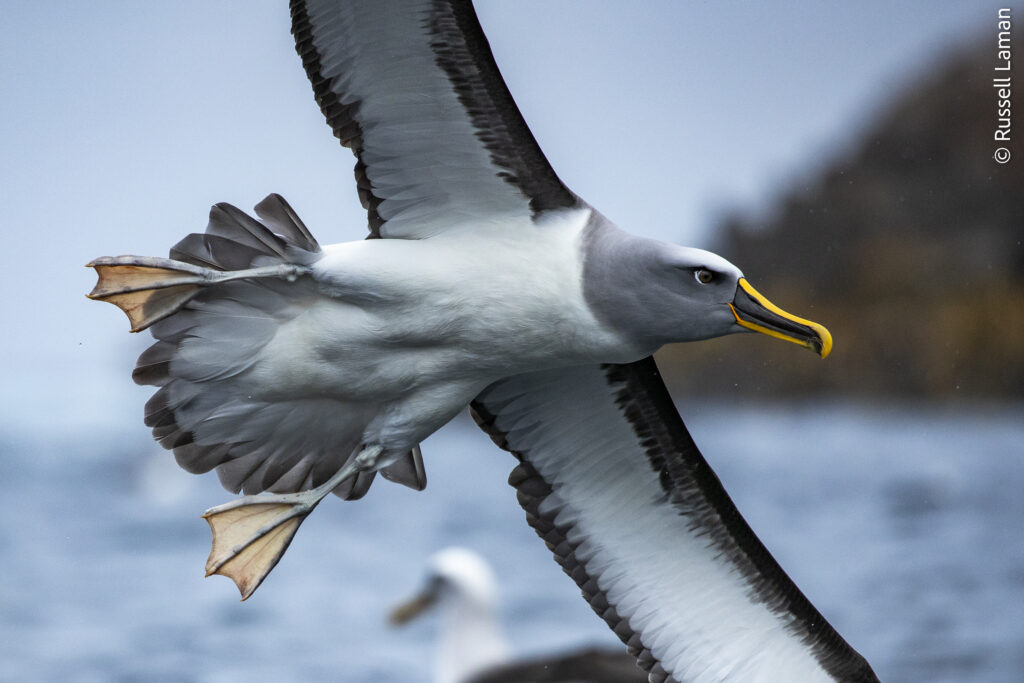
471, 646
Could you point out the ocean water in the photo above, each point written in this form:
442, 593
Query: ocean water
905, 528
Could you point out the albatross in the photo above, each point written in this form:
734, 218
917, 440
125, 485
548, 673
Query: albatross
471, 647
296, 370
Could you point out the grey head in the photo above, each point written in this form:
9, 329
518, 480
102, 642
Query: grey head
655, 293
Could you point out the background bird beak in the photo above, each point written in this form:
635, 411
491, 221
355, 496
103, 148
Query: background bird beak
756, 313
413, 607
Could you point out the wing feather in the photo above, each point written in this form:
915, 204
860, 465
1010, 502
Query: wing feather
412, 88
612, 481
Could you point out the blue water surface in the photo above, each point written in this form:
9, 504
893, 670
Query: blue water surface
904, 526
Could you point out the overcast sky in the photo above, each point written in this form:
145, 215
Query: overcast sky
122, 122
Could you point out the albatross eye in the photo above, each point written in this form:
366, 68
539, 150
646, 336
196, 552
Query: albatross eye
704, 276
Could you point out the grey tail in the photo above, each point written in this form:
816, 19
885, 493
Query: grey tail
212, 308
149, 289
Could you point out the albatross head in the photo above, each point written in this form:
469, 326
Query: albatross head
457, 579
655, 293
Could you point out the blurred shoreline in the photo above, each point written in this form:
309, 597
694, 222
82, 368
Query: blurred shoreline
909, 247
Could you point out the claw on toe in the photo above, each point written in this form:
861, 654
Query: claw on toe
250, 538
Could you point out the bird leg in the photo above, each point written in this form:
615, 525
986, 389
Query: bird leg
148, 289
251, 534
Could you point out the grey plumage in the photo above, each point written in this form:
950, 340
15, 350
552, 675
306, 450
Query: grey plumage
204, 410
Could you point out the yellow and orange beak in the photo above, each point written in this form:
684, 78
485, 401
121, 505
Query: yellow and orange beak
756, 313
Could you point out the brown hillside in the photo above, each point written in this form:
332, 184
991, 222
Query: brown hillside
909, 249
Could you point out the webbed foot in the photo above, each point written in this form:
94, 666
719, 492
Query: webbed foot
251, 534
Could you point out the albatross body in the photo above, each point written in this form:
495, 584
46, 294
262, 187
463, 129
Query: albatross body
447, 312
296, 370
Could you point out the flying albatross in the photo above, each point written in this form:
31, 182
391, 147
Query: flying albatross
299, 370
471, 648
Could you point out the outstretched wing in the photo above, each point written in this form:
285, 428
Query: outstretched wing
412, 88
612, 481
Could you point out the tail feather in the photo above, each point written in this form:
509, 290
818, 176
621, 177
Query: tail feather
212, 307
150, 289
153, 366
236, 225
237, 471
171, 329
199, 459
214, 251
276, 212
232, 235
